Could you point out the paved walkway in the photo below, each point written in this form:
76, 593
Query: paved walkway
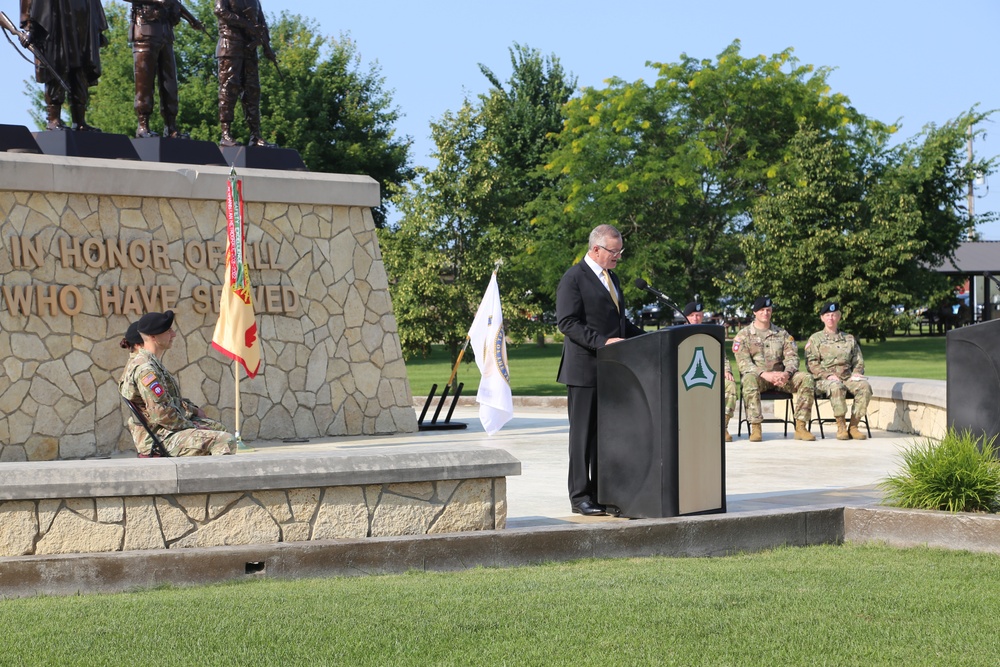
776, 473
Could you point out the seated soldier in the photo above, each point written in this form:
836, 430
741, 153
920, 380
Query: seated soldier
834, 359
695, 315
768, 360
179, 423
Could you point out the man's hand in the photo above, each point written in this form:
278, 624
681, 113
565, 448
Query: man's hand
777, 378
614, 340
27, 38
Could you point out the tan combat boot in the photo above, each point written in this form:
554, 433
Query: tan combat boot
729, 438
755, 434
842, 429
854, 431
802, 433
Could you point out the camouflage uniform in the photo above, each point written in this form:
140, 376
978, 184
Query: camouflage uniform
730, 391
838, 354
773, 349
175, 420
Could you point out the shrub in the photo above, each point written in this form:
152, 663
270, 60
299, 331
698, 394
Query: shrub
954, 474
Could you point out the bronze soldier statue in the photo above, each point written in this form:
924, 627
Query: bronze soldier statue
242, 29
151, 34
70, 33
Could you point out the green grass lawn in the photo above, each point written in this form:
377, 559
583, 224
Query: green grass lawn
830, 605
533, 368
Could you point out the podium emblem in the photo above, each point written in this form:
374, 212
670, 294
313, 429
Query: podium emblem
699, 373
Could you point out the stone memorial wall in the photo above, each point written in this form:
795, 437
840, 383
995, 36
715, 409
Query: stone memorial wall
87, 246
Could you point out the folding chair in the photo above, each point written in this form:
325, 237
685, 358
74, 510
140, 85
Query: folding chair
158, 450
768, 396
832, 420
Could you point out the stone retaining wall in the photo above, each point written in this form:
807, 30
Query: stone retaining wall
127, 505
88, 245
905, 405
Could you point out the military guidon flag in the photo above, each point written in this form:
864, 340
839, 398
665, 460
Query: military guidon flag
236, 331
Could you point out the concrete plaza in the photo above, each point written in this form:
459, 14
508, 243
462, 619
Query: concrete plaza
777, 473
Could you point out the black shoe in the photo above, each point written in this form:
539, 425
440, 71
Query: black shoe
588, 508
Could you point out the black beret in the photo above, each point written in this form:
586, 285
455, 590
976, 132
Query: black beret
762, 302
829, 307
132, 334
693, 307
152, 324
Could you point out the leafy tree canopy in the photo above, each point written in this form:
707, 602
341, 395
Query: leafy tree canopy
468, 212
676, 164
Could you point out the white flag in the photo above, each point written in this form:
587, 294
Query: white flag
487, 339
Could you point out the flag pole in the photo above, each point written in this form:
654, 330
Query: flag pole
240, 446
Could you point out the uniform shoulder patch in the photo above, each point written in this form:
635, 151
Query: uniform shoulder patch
736, 345
148, 379
156, 388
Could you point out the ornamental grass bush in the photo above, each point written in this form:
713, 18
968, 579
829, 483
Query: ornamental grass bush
959, 473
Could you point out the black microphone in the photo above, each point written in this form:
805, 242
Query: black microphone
643, 285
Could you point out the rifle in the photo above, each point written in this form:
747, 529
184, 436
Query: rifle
189, 17
22, 36
262, 38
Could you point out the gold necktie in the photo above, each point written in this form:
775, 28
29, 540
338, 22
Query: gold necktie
611, 289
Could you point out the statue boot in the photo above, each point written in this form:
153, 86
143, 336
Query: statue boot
755, 434
842, 429
227, 137
255, 135
78, 112
143, 131
53, 117
855, 432
802, 432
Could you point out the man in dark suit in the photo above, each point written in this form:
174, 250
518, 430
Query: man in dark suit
590, 312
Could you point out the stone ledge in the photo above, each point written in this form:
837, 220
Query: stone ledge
145, 477
929, 392
923, 528
71, 175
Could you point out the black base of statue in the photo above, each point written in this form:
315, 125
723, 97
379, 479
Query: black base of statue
178, 151
17, 139
72, 143
447, 424
261, 157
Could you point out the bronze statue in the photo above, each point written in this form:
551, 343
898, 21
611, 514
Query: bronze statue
151, 34
70, 33
242, 29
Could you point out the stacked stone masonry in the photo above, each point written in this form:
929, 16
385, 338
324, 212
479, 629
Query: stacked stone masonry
103, 524
89, 245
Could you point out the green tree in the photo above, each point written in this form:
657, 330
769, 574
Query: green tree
861, 224
327, 104
676, 164
468, 212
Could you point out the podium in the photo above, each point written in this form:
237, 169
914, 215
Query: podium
973, 370
661, 451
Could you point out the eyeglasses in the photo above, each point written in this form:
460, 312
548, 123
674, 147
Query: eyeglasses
614, 253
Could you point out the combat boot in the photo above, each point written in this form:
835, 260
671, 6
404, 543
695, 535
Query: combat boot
729, 438
755, 434
227, 137
143, 131
854, 431
53, 118
802, 433
842, 429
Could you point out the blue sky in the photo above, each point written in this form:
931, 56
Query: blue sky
917, 61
